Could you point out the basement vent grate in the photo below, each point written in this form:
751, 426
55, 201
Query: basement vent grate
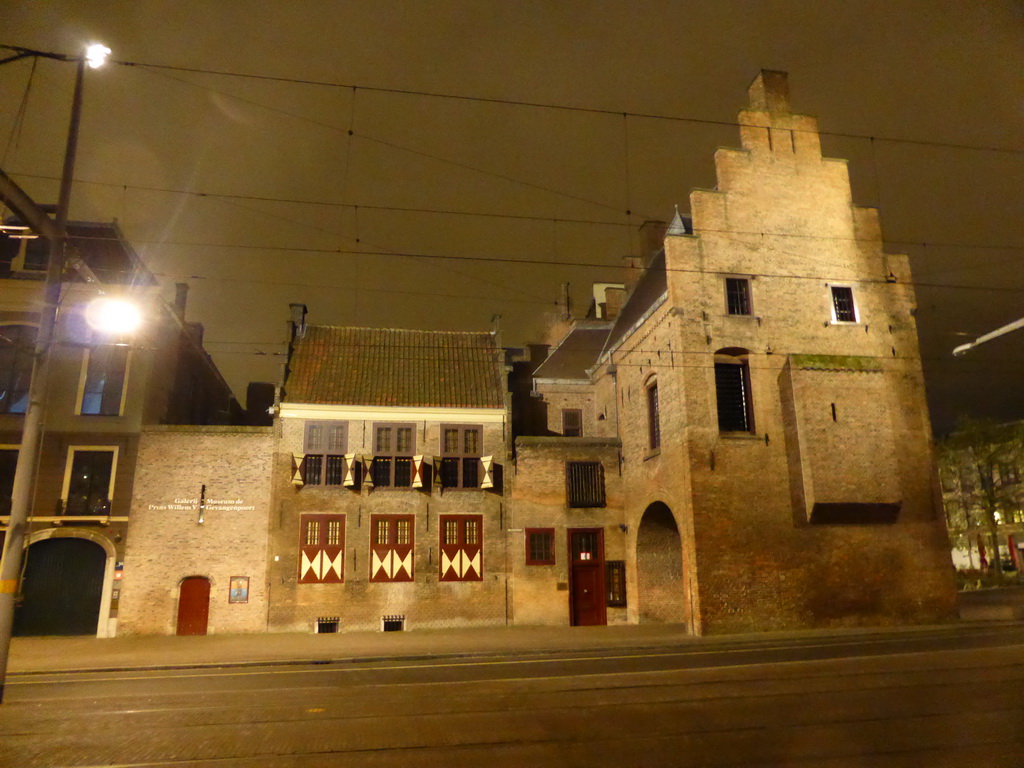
327, 624
393, 623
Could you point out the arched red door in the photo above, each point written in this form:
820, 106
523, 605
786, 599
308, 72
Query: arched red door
193, 606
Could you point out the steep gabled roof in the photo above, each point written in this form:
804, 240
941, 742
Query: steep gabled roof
646, 295
334, 365
577, 352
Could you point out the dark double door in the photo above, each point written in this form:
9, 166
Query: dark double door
62, 589
586, 577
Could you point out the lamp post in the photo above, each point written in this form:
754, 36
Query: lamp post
28, 451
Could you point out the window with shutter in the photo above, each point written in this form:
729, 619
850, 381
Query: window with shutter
393, 449
732, 391
324, 447
461, 548
321, 549
460, 456
572, 422
391, 548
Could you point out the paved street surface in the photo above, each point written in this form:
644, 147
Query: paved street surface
615, 696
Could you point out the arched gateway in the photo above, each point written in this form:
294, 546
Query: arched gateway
659, 567
63, 588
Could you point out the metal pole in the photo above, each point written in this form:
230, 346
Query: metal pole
31, 436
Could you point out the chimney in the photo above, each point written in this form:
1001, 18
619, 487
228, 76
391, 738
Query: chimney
769, 92
298, 320
614, 298
180, 299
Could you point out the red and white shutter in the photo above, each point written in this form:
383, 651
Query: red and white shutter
461, 546
392, 543
322, 552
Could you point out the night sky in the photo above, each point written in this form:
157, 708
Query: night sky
338, 173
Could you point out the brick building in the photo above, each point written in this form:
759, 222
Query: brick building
762, 386
103, 391
735, 439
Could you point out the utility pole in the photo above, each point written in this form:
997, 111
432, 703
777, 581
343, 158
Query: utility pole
28, 451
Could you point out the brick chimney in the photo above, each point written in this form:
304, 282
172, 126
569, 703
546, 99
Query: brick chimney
769, 92
180, 299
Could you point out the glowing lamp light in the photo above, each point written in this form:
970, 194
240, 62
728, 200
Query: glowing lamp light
113, 316
96, 54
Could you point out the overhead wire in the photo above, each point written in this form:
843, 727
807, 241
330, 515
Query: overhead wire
547, 105
514, 217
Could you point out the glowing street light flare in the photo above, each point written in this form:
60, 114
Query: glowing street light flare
96, 55
113, 316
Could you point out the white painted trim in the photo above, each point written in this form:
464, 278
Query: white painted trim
84, 375
392, 414
72, 449
832, 304
105, 626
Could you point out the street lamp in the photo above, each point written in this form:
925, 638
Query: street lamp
28, 451
113, 316
1016, 325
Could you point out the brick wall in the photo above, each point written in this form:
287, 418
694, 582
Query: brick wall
358, 602
167, 544
540, 593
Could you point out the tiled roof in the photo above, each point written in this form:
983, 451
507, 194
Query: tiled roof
576, 353
389, 367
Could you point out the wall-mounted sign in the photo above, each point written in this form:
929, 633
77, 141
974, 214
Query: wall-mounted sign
238, 590
209, 505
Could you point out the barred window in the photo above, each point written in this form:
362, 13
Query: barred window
844, 309
333, 533
402, 532
472, 532
615, 582
737, 295
324, 448
382, 532
451, 532
312, 532
393, 447
584, 482
460, 456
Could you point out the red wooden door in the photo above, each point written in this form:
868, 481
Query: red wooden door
586, 576
193, 606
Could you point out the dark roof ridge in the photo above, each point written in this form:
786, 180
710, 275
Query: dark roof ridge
396, 330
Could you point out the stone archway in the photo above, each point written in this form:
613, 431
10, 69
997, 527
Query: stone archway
659, 567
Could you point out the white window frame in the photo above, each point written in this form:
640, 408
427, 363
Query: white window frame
84, 375
69, 462
832, 304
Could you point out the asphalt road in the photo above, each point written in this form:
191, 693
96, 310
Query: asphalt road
949, 697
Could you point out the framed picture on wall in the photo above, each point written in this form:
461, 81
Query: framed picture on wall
238, 591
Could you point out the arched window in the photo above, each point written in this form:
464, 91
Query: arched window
653, 415
732, 389
17, 346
